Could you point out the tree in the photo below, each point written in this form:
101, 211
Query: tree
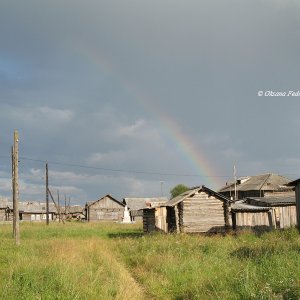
178, 189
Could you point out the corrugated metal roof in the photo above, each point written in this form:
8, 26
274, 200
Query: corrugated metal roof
243, 206
266, 182
272, 201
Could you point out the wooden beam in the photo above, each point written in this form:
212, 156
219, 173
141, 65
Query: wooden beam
49, 192
47, 196
16, 228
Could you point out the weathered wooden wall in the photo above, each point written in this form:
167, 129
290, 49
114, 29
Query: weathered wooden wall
252, 219
297, 191
276, 217
160, 218
285, 216
105, 210
154, 219
2, 215
149, 220
35, 217
201, 213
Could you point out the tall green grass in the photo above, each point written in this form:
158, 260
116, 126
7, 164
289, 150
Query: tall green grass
216, 267
74, 261
116, 261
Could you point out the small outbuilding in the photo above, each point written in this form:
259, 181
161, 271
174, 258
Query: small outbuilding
198, 210
263, 214
106, 208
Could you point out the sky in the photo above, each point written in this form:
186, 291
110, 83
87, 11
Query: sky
130, 98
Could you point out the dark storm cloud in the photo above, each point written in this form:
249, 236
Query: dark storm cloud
84, 82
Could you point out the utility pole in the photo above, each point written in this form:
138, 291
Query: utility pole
47, 196
65, 206
13, 186
161, 188
54, 203
15, 170
69, 206
58, 207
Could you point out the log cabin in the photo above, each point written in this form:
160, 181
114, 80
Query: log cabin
198, 210
106, 208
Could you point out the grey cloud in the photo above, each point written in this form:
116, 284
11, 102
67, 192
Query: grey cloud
91, 83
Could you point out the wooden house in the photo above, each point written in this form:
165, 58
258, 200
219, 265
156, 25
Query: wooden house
264, 213
32, 211
265, 185
199, 210
36, 211
137, 204
106, 208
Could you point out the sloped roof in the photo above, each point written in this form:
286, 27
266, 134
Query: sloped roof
35, 207
266, 182
192, 191
140, 203
294, 182
243, 206
39, 207
71, 209
272, 201
89, 203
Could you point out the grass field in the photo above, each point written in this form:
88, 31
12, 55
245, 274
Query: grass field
114, 261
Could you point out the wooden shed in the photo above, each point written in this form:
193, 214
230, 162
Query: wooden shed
154, 219
261, 213
106, 208
198, 210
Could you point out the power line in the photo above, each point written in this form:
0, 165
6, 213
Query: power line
114, 170
125, 171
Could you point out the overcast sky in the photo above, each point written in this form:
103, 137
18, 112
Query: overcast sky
130, 98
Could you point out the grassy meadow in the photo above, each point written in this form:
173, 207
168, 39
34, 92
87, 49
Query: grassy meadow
116, 261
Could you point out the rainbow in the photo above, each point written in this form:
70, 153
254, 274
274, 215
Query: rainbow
198, 160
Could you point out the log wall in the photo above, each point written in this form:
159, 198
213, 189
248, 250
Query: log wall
105, 210
201, 213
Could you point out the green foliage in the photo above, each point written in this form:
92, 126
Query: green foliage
178, 189
116, 261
